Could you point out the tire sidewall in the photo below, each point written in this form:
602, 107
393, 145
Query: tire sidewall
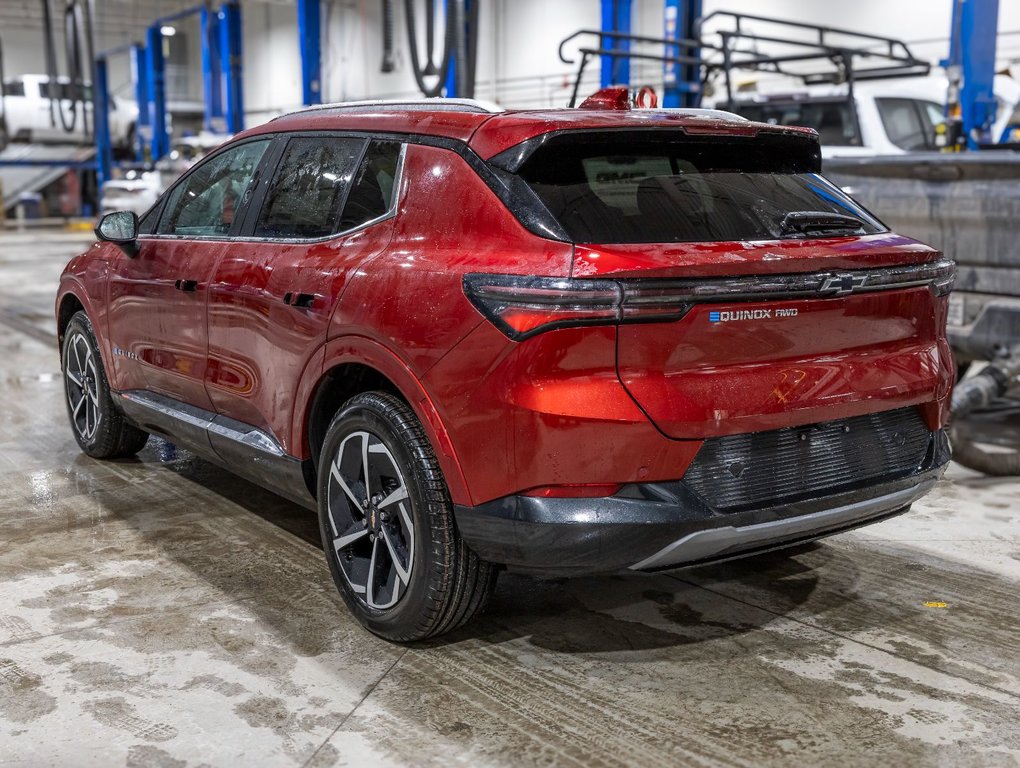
365, 414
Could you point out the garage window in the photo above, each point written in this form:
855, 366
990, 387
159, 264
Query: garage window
373, 190
309, 188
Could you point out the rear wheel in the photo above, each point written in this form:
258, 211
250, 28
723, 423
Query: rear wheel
100, 429
387, 525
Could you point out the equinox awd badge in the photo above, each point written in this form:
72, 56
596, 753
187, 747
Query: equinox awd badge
728, 315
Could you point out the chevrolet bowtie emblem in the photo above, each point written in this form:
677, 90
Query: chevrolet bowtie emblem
842, 284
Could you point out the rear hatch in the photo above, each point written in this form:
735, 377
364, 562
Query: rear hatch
754, 293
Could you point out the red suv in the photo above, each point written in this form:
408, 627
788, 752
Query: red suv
561, 342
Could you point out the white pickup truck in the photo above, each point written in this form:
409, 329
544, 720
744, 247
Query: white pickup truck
30, 112
888, 117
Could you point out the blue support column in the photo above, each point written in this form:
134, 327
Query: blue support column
139, 74
212, 77
682, 82
101, 122
972, 65
231, 65
310, 40
616, 18
450, 84
156, 87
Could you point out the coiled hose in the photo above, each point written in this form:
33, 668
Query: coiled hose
460, 39
978, 392
388, 64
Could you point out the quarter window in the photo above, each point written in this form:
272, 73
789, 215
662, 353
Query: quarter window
208, 201
309, 188
373, 190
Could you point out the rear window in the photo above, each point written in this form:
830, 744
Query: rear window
834, 120
613, 189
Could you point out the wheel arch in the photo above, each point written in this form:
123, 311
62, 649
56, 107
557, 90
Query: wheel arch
357, 364
69, 305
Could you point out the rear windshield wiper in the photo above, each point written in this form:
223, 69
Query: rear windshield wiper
816, 222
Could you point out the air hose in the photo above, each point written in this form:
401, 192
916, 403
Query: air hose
460, 40
388, 64
3, 100
430, 67
978, 392
77, 45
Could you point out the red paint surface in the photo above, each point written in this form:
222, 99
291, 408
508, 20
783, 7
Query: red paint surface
576, 406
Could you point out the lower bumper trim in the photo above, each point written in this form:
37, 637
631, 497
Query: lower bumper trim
717, 543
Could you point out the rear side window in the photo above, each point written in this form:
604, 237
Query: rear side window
604, 188
909, 123
373, 190
309, 188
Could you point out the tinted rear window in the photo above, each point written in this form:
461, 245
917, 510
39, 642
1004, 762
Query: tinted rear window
604, 189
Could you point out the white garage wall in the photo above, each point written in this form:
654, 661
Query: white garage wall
518, 63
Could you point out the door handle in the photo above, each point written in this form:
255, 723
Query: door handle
304, 300
186, 285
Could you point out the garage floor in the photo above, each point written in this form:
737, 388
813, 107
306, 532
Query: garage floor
160, 612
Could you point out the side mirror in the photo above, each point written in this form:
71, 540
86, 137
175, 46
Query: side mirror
121, 228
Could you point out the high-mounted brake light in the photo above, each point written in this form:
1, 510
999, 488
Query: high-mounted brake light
522, 306
620, 97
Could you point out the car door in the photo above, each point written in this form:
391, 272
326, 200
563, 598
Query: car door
157, 297
325, 211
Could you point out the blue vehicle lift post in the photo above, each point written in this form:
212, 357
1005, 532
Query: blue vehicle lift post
616, 15
310, 39
143, 132
101, 121
971, 69
212, 75
155, 75
231, 65
682, 82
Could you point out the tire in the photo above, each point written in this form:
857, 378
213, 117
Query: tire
395, 556
100, 429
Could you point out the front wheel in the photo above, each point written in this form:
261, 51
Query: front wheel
387, 525
98, 426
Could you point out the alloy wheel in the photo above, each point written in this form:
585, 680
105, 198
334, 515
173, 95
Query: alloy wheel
82, 386
371, 525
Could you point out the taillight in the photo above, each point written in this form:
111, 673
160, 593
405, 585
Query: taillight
522, 306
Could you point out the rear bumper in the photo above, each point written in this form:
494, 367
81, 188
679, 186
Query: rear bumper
653, 527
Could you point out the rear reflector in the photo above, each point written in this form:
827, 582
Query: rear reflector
574, 491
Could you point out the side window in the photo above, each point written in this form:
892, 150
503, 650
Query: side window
903, 123
207, 201
308, 190
147, 224
373, 190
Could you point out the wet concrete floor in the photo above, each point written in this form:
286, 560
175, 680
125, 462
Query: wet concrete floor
160, 612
